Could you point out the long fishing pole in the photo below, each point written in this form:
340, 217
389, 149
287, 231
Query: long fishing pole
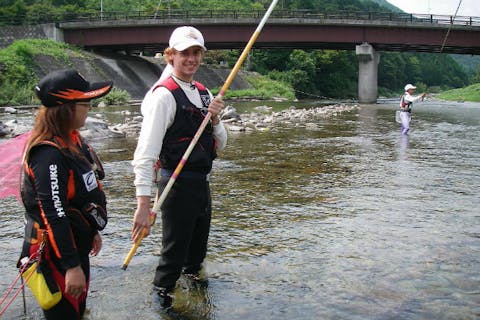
450, 27
159, 201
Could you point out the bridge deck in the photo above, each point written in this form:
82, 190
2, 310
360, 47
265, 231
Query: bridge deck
303, 29
343, 34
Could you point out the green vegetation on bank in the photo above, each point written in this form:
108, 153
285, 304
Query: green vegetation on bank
334, 73
115, 97
18, 65
470, 93
263, 88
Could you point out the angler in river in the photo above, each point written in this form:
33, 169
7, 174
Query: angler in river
406, 103
173, 110
62, 194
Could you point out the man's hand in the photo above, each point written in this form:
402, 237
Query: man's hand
215, 107
141, 220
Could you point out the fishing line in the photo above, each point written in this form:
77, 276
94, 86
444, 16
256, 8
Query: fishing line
450, 27
308, 94
20, 289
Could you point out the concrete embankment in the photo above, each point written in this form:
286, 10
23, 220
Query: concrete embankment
134, 74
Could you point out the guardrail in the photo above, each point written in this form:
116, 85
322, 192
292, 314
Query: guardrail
39, 18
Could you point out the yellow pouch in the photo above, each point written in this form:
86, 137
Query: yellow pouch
38, 285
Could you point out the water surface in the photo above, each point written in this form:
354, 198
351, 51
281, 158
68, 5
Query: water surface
345, 219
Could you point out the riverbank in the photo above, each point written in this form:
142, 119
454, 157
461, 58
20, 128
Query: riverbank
238, 116
470, 93
26, 61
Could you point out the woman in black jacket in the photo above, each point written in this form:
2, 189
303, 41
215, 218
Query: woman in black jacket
61, 191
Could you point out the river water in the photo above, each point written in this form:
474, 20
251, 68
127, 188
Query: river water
344, 219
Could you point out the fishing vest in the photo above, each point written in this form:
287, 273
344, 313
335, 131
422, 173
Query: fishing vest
405, 106
86, 201
188, 118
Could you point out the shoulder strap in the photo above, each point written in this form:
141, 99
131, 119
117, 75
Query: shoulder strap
51, 143
200, 86
168, 83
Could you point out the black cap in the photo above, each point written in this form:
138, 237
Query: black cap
63, 86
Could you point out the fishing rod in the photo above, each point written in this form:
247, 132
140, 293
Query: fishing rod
159, 200
450, 27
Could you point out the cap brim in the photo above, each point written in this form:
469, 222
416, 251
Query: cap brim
96, 90
187, 44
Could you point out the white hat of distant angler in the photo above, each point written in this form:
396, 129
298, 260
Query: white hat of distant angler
410, 86
186, 37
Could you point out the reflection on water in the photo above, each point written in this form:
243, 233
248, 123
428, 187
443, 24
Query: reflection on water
347, 220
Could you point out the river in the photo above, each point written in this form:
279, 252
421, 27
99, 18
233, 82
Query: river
345, 219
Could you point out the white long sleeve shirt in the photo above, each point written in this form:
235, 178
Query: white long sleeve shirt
409, 98
158, 109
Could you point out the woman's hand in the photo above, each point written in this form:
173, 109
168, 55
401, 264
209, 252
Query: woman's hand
75, 283
141, 220
215, 107
96, 245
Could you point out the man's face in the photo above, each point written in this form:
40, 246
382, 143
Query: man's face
186, 62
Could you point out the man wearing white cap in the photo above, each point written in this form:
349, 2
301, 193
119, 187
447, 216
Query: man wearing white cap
406, 103
172, 110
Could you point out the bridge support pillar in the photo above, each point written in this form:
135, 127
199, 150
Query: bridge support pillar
52, 32
368, 60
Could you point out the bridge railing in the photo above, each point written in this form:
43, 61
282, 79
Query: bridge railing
46, 17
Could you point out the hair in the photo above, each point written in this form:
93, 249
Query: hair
168, 55
53, 122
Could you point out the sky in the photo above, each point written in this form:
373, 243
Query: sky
469, 8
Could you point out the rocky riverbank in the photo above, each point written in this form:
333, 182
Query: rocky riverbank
259, 119
263, 118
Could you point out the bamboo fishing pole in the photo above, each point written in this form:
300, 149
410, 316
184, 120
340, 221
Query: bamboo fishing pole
159, 201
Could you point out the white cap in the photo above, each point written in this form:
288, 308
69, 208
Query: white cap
409, 86
186, 37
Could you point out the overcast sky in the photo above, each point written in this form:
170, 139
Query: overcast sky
443, 7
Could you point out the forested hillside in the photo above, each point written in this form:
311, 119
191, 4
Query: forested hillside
312, 73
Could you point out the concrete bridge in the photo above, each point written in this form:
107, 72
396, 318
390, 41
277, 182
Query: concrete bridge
366, 33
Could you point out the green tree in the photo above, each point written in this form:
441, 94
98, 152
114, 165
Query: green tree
13, 13
60, 3
336, 73
264, 61
301, 65
392, 70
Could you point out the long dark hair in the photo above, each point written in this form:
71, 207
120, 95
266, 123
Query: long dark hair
53, 122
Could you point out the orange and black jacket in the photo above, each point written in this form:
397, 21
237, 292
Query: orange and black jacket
57, 185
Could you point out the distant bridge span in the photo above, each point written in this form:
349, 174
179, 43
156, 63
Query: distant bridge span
132, 32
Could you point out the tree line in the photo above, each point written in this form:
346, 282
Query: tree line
312, 73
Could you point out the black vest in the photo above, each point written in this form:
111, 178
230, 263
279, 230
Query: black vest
186, 123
